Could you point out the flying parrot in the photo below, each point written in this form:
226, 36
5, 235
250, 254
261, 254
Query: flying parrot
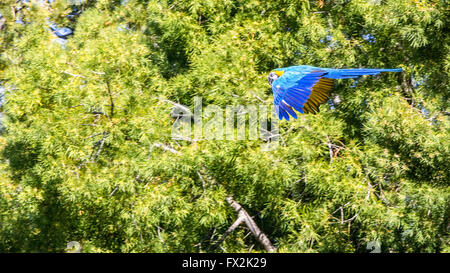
305, 87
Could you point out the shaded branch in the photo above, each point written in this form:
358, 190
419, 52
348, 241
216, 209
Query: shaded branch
407, 88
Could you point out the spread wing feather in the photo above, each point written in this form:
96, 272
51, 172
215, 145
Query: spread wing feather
305, 90
304, 94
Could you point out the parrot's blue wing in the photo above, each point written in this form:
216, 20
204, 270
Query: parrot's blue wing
304, 94
305, 88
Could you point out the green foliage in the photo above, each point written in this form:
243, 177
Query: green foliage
87, 153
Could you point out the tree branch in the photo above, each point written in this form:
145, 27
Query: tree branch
236, 223
165, 148
101, 142
110, 99
73, 75
407, 87
330, 149
243, 216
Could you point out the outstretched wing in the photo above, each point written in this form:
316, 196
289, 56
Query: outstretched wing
304, 91
319, 94
304, 94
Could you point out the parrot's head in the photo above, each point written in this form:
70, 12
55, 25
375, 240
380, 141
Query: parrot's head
274, 75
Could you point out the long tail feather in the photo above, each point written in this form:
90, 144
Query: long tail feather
354, 73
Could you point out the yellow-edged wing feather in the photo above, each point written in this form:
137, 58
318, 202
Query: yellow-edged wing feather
319, 94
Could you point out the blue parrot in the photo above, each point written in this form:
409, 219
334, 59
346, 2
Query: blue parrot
305, 87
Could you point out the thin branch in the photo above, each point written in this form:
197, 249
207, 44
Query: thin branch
203, 182
261, 100
351, 219
251, 247
98, 113
181, 107
98, 73
330, 150
343, 206
183, 111
173, 5
164, 147
101, 143
368, 191
212, 235
236, 223
114, 191
91, 136
347, 220
110, 99
73, 75
341, 209
333, 149
407, 87
158, 229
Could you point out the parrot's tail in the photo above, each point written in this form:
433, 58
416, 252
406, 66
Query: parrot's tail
354, 73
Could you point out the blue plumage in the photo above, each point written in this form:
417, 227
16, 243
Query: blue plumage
305, 87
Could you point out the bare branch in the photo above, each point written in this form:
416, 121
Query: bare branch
341, 220
173, 5
243, 216
99, 150
91, 136
261, 100
203, 182
330, 150
351, 219
236, 223
73, 75
158, 229
368, 191
343, 206
98, 113
164, 147
114, 191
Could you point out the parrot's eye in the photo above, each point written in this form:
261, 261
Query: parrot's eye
272, 77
